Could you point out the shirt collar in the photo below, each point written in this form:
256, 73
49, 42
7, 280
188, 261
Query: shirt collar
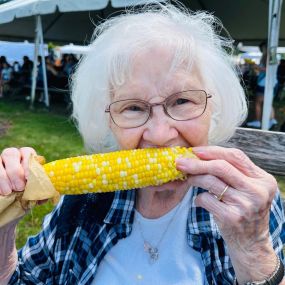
122, 208
200, 221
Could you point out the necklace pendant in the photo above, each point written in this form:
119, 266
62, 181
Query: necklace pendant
146, 246
152, 251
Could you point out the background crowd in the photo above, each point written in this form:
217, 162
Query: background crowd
18, 76
250, 71
254, 77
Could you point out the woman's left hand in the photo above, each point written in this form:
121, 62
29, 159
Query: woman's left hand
242, 213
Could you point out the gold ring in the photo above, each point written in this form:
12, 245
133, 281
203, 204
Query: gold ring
220, 197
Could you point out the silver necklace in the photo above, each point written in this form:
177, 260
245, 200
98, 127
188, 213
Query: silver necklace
152, 250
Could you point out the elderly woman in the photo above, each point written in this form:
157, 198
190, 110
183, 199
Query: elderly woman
157, 78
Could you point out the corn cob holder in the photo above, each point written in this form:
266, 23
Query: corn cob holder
120, 170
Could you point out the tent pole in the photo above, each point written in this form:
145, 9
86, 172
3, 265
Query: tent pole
43, 62
271, 63
35, 66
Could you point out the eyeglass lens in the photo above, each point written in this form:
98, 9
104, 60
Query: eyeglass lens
182, 106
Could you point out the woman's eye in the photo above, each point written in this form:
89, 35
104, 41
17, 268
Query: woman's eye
133, 108
181, 101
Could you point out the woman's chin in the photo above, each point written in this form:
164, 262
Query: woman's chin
173, 185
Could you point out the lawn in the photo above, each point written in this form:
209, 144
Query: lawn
54, 136
51, 134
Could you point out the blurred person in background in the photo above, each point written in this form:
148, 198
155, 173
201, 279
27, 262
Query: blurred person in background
5, 77
26, 71
69, 65
259, 93
280, 79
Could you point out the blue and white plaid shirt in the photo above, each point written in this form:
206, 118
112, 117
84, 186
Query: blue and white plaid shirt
74, 239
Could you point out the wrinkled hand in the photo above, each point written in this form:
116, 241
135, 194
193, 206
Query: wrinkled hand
14, 169
243, 213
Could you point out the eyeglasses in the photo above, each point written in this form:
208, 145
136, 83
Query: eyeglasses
182, 106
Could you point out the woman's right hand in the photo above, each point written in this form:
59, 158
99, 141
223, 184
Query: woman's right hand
13, 178
14, 169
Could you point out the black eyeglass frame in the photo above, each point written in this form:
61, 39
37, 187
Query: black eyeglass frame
163, 103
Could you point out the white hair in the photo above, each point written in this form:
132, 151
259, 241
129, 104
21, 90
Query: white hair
194, 39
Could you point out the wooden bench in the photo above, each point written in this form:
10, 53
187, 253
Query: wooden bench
265, 148
50, 89
56, 91
18, 90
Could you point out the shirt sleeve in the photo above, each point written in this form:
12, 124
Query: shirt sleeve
36, 259
277, 226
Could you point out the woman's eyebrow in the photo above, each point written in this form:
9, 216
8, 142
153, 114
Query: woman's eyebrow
130, 95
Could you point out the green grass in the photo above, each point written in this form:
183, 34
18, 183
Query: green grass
31, 224
281, 184
54, 136
51, 134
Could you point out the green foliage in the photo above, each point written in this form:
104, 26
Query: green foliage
51, 45
51, 135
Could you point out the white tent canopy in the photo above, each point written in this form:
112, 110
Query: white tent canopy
63, 20
25, 8
74, 49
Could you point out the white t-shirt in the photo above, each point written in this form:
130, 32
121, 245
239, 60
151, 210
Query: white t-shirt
128, 263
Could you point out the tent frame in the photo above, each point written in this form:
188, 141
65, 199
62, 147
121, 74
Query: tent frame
39, 46
271, 63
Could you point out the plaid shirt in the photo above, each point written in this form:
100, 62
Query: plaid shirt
75, 238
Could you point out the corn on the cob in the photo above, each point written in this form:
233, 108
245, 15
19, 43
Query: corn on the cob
120, 170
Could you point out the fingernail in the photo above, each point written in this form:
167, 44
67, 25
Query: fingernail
181, 160
181, 163
199, 150
19, 186
181, 168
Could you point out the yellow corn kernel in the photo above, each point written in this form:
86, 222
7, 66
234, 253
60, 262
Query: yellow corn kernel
120, 170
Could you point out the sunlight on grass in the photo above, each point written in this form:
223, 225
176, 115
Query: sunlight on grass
51, 135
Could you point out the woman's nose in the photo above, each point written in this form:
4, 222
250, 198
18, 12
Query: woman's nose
160, 129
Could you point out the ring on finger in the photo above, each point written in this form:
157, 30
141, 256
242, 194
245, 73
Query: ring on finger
220, 197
